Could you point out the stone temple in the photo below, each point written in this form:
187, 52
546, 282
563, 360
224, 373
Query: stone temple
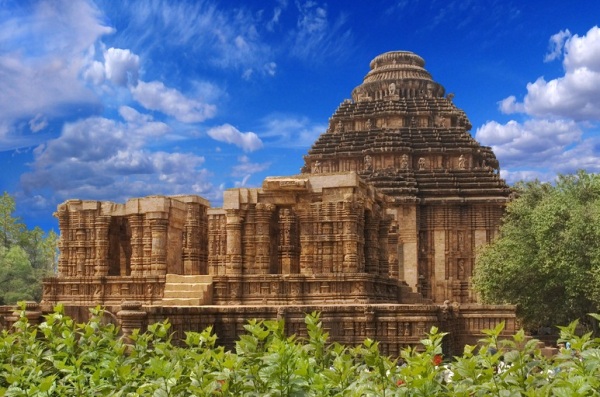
378, 232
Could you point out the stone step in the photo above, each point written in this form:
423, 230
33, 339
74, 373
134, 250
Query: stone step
196, 278
188, 290
181, 302
183, 287
205, 292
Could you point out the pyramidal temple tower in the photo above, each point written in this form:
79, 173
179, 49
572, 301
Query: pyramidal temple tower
403, 135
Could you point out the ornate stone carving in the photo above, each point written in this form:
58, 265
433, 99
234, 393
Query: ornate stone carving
368, 165
390, 209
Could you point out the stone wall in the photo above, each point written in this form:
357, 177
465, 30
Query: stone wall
395, 326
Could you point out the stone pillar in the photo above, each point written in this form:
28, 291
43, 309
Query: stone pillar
408, 253
371, 243
146, 247
63, 241
384, 264
234, 243
288, 235
102, 224
89, 217
438, 283
262, 240
80, 253
217, 241
248, 242
350, 239
159, 223
203, 239
307, 242
191, 241
131, 317
137, 245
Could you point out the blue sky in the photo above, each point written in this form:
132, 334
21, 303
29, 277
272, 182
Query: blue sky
109, 100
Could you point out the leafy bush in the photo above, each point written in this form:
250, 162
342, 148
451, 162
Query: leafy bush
62, 358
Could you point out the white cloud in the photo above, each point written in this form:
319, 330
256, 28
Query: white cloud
287, 130
155, 96
122, 66
225, 37
535, 142
98, 158
248, 141
510, 105
561, 114
94, 73
43, 76
583, 52
38, 123
274, 21
142, 124
574, 95
526, 175
270, 68
557, 41
246, 168
316, 37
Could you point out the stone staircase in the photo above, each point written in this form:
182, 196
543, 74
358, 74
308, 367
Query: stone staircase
409, 297
195, 290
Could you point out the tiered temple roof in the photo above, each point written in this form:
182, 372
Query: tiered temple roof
402, 134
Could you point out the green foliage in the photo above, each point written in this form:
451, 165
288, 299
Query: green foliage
26, 256
547, 258
63, 358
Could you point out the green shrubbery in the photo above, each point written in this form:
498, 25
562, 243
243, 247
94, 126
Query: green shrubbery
546, 260
62, 358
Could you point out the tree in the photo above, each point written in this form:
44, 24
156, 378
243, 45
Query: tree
26, 256
547, 257
18, 280
10, 227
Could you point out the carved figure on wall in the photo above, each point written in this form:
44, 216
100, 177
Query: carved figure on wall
368, 124
422, 163
461, 162
316, 167
461, 268
461, 241
404, 162
339, 127
368, 163
392, 88
413, 122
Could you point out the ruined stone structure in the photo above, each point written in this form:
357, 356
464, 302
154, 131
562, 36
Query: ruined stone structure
402, 135
378, 233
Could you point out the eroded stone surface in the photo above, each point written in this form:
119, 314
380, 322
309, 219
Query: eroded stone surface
403, 136
378, 232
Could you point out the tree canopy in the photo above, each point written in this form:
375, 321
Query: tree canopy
547, 257
26, 256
